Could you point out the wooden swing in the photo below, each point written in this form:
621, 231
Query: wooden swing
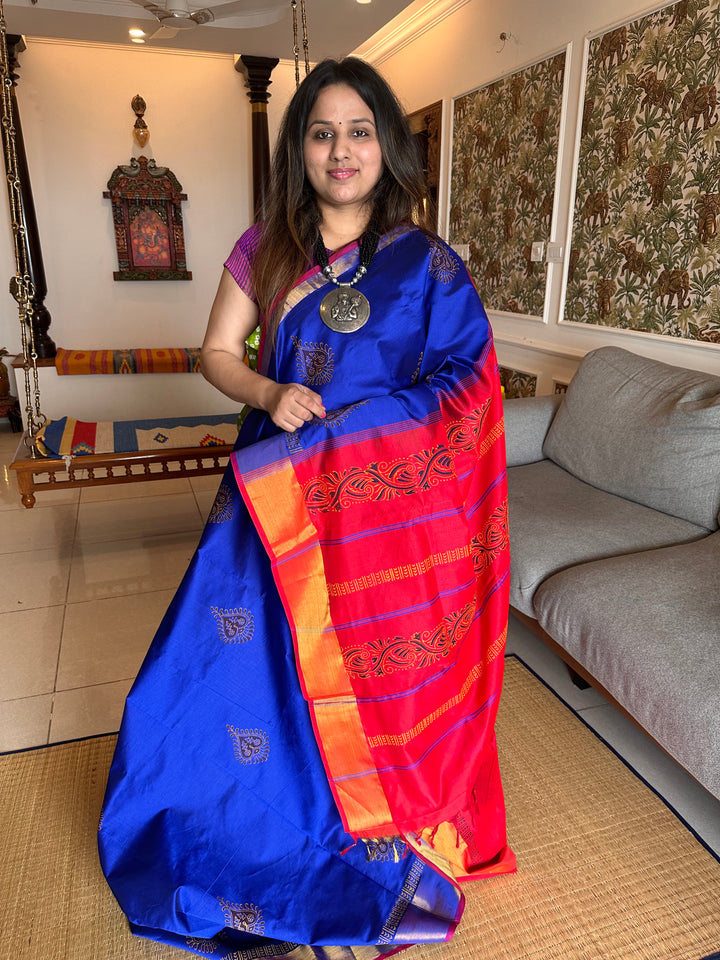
36, 472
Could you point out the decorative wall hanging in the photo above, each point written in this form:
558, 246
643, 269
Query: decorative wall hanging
426, 125
148, 222
645, 252
505, 152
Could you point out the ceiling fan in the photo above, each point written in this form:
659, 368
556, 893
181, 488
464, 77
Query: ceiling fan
176, 15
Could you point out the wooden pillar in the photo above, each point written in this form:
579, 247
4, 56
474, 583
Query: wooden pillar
39, 314
257, 72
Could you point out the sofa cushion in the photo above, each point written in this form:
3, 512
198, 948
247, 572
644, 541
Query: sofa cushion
644, 430
556, 520
527, 420
647, 627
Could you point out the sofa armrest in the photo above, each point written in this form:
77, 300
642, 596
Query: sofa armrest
527, 420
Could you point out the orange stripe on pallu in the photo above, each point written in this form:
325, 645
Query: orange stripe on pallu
449, 847
354, 781
275, 500
298, 566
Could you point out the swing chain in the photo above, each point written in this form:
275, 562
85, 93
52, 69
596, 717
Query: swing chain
296, 46
306, 46
21, 285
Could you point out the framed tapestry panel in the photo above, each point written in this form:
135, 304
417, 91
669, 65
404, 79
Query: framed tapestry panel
645, 250
148, 222
517, 383
504, 166
426, 126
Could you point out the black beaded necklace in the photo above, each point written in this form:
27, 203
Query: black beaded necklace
343, 309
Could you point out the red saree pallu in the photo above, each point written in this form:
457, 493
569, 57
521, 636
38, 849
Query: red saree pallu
306, 765
389, 548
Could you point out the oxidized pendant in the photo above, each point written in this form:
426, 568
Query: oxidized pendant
344, 309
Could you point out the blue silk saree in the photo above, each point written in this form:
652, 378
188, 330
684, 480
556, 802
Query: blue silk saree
307, 765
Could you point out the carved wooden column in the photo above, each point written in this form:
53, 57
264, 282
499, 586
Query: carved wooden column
257, 72
39, 314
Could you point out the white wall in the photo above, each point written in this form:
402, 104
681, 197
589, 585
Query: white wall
77, 123
461, 52
75, 108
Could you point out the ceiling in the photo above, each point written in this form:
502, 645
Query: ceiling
335, 27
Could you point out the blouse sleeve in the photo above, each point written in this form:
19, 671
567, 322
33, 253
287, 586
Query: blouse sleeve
239, 263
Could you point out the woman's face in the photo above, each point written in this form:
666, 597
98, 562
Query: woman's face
343, 159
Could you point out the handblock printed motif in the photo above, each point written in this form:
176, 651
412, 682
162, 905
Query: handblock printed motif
243, 916
505, 148
234, 626
645, 251
222, 508
249, 746
383, 656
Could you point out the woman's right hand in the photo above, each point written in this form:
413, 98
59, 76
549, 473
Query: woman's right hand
290, 405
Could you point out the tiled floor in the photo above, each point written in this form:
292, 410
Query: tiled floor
85, 578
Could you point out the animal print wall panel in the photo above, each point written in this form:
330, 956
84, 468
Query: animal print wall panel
504, 160
645, 250
517, 383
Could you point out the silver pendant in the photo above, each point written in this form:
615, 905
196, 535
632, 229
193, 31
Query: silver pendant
344, 309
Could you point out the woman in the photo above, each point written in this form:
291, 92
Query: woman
307, 762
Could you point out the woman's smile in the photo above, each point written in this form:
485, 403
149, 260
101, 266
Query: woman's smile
343, 159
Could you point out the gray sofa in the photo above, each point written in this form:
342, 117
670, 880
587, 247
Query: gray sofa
614, 495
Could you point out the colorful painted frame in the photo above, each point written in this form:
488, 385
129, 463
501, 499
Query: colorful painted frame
147, 217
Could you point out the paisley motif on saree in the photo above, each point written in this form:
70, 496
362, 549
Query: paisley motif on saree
388, 542
306, 764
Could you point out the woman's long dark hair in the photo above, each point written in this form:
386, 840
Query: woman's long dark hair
292, 215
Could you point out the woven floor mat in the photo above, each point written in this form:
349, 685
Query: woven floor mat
605, 870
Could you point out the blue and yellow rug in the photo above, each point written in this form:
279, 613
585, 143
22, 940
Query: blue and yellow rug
70, 437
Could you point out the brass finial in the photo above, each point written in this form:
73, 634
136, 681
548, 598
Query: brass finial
140, 130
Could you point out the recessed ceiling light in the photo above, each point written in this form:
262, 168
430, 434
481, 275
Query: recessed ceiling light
136, 32
363, 1
137, 40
